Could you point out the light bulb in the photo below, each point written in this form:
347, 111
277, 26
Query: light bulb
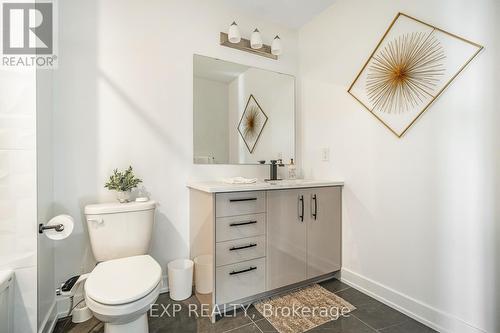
276, 48
234, 33
256, 39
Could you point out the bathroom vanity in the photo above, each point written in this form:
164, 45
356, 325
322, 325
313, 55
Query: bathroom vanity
265, 237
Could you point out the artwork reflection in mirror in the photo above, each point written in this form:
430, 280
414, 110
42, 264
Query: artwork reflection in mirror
252, 123
241, 114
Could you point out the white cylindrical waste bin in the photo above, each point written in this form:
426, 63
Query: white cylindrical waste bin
180, 279
203, 274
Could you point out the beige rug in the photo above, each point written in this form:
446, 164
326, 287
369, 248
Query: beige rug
303, 309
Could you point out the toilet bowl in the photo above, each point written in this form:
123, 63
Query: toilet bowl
119, 292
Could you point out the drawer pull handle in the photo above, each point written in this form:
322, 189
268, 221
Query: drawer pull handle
242, 223
243, 271
234, 248
242, 199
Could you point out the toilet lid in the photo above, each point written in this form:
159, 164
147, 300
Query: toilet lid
124, 280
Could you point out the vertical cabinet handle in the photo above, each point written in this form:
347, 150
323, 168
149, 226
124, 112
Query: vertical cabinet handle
301, 208
314, 211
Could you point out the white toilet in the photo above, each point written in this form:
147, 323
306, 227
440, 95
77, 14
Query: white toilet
121, 288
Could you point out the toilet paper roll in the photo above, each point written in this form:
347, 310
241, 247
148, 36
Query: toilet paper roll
66, 221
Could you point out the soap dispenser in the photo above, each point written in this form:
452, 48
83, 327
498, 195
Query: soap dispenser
292, 174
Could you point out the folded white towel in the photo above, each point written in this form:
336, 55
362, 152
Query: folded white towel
240, 180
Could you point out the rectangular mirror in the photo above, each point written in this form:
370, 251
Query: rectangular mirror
242, 114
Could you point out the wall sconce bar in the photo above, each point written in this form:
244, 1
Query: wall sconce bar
244, 45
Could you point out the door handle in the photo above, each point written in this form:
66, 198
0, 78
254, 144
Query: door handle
314, 212
301, 208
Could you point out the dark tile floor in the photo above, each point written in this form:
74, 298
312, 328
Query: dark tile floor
370, 316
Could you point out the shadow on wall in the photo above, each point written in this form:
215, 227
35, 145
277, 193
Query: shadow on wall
75, 142
165, 229
79, 135
495, 149
438, 196
474, 160
145, 116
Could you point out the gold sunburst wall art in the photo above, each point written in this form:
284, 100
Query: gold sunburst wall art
411, 66
252, 123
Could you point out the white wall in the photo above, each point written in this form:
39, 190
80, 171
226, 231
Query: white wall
210, 123
18, 233
123, 95
420, 213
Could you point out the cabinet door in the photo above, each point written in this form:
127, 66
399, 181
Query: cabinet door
324, 231
286, 237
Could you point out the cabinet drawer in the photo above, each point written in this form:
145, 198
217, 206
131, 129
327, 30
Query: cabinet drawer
237, 281
235, 227
234, 251
240, 203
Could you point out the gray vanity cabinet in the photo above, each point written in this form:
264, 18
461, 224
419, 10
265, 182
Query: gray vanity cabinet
304, 234
324, 231
266, 238
286, 238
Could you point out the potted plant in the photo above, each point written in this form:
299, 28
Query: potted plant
123, 183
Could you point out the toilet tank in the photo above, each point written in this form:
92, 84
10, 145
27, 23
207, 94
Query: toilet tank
119, 230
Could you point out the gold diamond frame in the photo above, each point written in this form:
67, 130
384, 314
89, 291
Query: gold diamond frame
251, 149
480, 47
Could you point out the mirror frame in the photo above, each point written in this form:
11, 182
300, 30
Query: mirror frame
264, 69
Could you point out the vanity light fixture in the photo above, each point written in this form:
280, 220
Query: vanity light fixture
256, 40
253, 45
234, 33
276, 48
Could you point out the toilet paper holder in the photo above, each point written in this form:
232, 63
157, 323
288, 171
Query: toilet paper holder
56, 227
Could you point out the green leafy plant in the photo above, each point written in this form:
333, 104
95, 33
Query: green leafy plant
122, 181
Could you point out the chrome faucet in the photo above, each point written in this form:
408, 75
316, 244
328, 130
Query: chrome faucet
273, 169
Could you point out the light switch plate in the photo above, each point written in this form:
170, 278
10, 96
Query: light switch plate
325, 154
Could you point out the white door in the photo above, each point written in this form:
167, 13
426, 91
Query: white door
286, 237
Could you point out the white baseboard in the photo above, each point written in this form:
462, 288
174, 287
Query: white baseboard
164, 287
424, 313
50, 320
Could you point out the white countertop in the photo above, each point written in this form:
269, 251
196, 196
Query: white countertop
220, 186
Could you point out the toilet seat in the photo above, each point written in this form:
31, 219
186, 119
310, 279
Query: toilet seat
122, 281
123, 313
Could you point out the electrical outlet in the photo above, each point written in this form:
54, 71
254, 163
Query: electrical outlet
325, 154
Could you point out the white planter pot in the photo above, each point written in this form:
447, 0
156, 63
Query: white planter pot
123, 196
